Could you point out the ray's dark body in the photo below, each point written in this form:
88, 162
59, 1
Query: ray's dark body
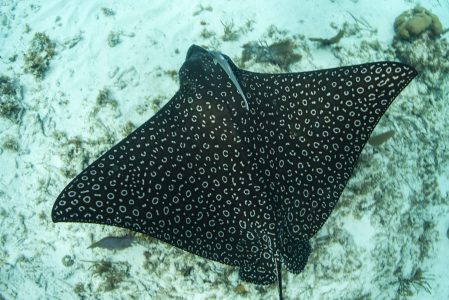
247, 188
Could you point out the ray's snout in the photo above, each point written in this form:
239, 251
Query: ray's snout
194, 52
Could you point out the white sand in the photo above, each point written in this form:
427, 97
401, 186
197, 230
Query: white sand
154, 38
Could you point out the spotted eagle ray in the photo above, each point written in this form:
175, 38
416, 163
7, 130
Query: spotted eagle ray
242, 179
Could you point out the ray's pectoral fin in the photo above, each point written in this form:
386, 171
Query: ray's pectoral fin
328, 124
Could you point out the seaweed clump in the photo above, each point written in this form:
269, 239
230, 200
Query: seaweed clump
111, 273
39, 54
240, 289
408, 286
329, 41
104, 98
10, 144
107, 12
11, 106
114, 39
279, 53
230, 33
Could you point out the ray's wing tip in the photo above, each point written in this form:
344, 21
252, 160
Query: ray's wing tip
413, 71
406, 67
56, 215
55, 218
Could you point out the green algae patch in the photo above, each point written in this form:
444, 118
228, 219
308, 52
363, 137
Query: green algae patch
11, 106
114, 39
128, 128
108, 12
105, 98
37, 58
10, 144
112, 274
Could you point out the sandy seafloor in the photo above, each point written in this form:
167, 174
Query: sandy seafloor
387, 238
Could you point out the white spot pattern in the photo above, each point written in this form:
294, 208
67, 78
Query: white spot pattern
246, 188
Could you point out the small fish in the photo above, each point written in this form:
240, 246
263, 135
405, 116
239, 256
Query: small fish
114, 242
223, 63
379, 139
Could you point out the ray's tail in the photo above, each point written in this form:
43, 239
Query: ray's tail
279, 276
